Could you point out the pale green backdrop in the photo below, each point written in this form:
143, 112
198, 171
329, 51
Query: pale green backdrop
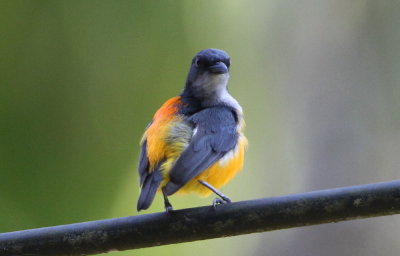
318, 81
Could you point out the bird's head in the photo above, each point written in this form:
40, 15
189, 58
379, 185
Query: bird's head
209, 74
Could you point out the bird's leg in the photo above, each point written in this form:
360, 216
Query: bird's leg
167, 204
223, 198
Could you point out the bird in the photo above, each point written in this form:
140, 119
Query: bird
195, 141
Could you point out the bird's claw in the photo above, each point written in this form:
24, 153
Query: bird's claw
168, 208
222, 200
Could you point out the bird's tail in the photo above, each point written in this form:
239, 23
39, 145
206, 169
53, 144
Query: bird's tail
149, 188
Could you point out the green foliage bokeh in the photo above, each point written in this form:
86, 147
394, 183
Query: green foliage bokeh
80, 80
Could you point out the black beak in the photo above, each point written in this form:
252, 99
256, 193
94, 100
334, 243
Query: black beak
218, 68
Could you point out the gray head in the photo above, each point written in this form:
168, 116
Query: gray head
208, 76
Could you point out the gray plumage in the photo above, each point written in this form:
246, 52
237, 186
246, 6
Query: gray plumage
215, 136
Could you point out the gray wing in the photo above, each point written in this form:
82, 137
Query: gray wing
143, 166
215, 136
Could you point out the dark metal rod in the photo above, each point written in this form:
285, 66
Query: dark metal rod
200, 223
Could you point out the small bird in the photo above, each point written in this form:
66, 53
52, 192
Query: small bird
195, 142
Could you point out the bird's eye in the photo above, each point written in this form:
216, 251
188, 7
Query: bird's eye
197, 62
228, 62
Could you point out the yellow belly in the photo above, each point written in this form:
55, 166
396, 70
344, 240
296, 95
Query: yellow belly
219, 173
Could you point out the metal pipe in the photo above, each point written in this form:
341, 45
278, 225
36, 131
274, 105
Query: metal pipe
200, 223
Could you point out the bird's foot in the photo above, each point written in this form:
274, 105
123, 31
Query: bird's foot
167, 204
222, 200
169, 208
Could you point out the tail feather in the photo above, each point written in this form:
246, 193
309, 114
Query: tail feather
149, 188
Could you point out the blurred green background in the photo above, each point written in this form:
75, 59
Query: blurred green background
318, 81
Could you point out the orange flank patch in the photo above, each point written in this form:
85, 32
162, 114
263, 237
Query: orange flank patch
168, 109
219, 173
166, 121
158, 131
